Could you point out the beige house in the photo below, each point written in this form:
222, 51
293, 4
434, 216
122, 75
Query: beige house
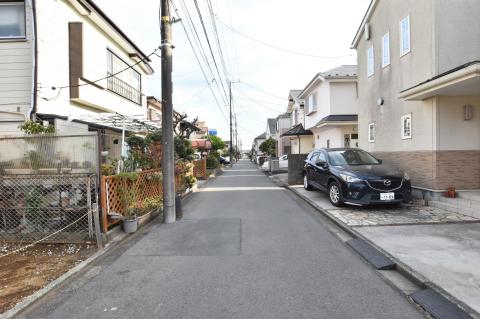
281, 126
299, 143
65, 61
419, 89
331, 107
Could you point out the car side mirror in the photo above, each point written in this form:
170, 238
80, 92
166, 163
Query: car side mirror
322, 164
380, 161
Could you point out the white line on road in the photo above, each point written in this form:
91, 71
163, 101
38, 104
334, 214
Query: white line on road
223, 176
234, 189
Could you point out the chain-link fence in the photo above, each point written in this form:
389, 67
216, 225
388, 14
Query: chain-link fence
47, 209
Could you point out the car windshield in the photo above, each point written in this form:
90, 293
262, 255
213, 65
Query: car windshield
351, 157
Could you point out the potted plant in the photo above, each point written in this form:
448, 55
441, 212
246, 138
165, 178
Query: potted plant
130, 220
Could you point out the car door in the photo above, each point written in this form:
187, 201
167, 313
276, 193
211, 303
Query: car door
322, 172
283, 161
312, 169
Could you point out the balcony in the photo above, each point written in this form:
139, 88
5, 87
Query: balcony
123, 89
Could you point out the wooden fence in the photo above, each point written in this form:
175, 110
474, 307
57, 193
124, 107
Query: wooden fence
200, 169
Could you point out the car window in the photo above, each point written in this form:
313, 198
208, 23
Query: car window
314, 157
351, 157
283, 158
322, 157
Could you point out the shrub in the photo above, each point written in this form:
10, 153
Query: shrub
212, 161
190, 181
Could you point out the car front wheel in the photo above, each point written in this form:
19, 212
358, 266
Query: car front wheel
306, 184
334, 194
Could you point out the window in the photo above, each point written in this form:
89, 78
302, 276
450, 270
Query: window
405, 36
12, 20
386, 50
312, 102
123, 81
371, 132
407, 126
370, 62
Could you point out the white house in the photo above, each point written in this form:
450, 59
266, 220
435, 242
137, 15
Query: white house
65, 61
281, 126
331, 108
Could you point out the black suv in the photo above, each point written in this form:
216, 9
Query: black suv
353, 176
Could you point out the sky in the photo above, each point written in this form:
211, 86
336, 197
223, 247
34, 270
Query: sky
262, 76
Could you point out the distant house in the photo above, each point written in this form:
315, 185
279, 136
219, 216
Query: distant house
64, 62
419, 89
331, 107
271, 128
257, 142
281, 126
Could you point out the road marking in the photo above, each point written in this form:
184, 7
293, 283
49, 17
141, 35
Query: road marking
234, 189
257, 175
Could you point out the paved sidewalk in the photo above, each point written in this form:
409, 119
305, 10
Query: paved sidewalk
246, 248
440, 246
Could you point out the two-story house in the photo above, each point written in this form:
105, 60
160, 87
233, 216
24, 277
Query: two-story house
257, 141
331, 107
300, 139
282, 125
419, 90
64, 61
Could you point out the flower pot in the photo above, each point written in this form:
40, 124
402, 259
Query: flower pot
130, 225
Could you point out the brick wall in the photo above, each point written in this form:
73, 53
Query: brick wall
437, 169
296, 162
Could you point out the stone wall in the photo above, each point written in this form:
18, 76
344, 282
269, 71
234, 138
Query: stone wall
438, 170
296, 162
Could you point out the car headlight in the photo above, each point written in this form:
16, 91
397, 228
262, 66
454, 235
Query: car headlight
350, 178
405, 176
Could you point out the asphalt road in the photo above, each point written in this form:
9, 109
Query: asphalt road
245, 249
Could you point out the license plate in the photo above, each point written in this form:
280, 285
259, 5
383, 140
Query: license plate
387, 196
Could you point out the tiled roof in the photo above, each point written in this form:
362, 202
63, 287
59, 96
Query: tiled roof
296, 131
261, 136
341, 71
338, 118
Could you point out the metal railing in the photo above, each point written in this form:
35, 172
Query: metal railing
124, 89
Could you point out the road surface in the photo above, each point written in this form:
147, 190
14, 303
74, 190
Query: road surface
246, 248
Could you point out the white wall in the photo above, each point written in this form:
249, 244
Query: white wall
323, 104
16, 76
334, 134
343, 97
306, 144
53, 67
454, 133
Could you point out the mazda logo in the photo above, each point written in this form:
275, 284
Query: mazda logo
387, 182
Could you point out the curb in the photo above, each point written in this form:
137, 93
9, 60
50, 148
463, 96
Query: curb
402, 268
116, 241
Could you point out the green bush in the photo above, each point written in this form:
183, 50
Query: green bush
212, 161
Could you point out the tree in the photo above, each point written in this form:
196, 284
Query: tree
269, 147
217, 142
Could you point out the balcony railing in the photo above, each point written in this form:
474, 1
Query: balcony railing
118, 86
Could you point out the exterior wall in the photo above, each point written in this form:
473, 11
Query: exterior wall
53, 18
323, 104
299, 118
66, 127
402, 73
306, 144
343, 97
457, 33
334, 134
16, 77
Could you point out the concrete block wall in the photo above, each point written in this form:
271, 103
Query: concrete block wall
296, 162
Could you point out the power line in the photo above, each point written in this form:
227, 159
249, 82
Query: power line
199, 63
263, 91
209, 45
198, 42
106, 77
280, 48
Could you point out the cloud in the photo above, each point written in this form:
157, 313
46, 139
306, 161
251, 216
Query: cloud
320, 27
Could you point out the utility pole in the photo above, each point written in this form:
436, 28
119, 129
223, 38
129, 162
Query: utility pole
168, 167
236, 136
231, 132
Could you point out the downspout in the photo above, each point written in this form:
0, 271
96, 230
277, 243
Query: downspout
299, 145
33, 105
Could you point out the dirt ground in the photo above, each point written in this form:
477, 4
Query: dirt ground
25, 272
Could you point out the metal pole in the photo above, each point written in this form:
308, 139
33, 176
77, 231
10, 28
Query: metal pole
231, 131
168, 165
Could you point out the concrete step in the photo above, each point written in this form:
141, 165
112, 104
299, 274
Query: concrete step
473, 195
468, 211
461, 202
